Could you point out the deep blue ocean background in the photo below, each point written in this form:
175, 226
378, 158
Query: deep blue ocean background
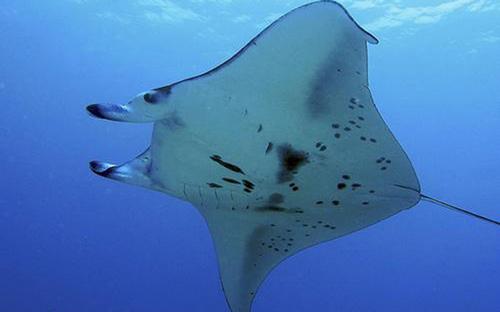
71, 241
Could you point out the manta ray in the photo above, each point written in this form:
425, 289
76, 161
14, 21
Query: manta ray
279, 148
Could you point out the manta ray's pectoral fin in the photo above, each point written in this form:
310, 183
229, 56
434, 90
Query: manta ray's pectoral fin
147, 106
136, 171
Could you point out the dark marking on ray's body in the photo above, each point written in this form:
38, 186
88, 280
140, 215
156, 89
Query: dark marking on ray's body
156, 95
276, 198
269, 147
319, 97
229, 180
272, 208
291, 161
259, 129
164, 90
321, 147
173, 122
214, 185
226, 165
248, 184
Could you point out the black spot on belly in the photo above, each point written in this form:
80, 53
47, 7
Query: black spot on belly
291, 161
226, 165
276, 198
248, 184
341, 186
269, 148
229, 180
272, 208
214, 185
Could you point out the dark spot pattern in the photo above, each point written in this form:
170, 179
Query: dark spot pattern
355, 186
214, 185
321, 147
248, 184
276, 198
229, 180
384, 162
226, 165
272, 208
269, 147
291, 161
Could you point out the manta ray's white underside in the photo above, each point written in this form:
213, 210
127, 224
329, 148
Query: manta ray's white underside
280, 148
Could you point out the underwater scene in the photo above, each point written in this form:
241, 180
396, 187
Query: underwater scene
250, 155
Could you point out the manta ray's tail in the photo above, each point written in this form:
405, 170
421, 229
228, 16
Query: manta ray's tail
455, 208
449, 206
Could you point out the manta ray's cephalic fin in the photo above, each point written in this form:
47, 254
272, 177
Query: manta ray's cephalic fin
135, 172
147, 106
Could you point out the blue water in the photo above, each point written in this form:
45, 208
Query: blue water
71, 241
